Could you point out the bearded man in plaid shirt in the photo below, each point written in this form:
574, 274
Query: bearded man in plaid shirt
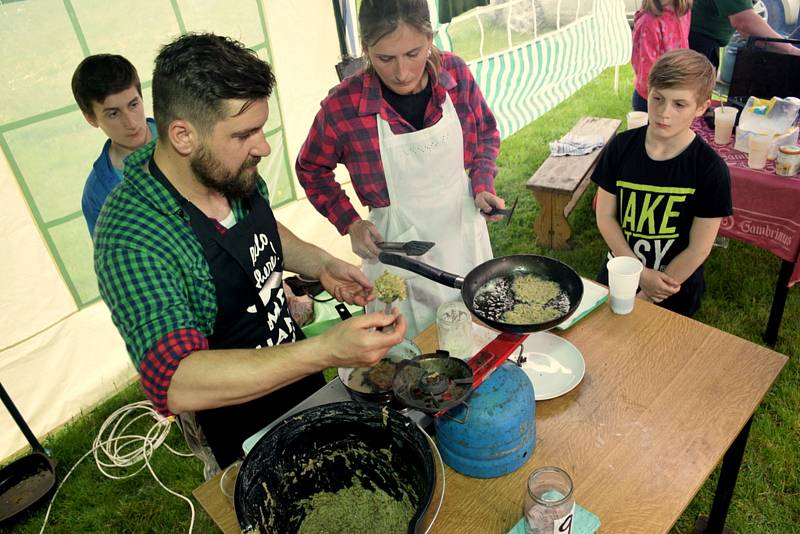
189, 259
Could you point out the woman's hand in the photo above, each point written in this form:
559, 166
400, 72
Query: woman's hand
485, 201
657, 286
363, 236
346, 282
359, 341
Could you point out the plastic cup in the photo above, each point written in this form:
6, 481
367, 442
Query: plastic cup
636, 119
623, 281
454, 328
758, 148
724, 117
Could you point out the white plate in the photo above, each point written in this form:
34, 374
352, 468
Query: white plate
553, 364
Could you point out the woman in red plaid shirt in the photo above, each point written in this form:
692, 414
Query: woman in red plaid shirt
420, 144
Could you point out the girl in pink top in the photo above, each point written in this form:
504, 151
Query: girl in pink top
658, 27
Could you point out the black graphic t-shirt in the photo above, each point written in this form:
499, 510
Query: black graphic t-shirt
658, 200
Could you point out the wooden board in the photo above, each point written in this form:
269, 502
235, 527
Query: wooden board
565, 173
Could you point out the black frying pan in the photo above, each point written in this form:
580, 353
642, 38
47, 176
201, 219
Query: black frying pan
25, 481
505, 267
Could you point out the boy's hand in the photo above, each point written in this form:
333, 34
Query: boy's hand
657, 286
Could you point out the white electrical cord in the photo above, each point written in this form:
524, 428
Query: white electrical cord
120, 449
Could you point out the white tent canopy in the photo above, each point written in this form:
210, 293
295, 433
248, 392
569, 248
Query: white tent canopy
59, 352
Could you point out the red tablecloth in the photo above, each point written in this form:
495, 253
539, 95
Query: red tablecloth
766, 207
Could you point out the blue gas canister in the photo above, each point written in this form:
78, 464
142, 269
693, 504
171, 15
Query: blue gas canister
494, 432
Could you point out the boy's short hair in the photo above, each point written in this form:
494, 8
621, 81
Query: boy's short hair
196, 73
101, 75
686, 69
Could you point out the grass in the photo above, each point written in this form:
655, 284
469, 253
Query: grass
740, 281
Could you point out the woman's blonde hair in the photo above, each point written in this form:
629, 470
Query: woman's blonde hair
379, 18
656, 7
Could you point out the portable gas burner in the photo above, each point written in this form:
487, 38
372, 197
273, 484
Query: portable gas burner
435, 383
432, 382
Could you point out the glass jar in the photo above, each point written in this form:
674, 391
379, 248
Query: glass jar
454, 326
788, 162
549, 502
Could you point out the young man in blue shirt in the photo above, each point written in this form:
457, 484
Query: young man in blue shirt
109, 94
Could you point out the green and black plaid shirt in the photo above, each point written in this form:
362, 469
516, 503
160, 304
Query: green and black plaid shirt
153, 275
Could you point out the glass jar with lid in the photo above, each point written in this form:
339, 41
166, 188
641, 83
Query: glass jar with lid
788, 162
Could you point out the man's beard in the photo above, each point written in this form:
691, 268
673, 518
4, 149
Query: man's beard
210, 172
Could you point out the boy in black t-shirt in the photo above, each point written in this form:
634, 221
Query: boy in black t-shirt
662, 190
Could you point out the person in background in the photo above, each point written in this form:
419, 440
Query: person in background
107, 90
662, 191
420, 144
714, 21
189, 259
659, 26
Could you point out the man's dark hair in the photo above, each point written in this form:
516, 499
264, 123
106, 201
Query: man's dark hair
196, 73
100, 76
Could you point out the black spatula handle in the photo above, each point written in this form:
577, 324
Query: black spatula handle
422, 269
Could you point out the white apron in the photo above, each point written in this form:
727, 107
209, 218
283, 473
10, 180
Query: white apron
431, 200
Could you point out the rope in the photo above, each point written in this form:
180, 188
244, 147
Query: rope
115, 448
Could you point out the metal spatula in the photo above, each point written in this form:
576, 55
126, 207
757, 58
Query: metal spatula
505, 212
409, 248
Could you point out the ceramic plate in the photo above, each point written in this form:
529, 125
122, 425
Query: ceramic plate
553, 364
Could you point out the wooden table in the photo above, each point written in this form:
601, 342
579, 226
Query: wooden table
664, 397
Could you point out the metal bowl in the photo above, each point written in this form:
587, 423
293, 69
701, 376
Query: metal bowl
405, 350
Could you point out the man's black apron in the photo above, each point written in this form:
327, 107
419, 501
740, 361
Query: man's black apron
246, 263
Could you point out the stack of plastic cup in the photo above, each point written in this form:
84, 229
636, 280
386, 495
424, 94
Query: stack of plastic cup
724, 117
636, 119
758, 149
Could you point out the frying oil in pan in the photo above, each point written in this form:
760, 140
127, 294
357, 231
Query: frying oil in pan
496, 297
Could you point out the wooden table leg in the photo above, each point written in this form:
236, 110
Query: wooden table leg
778, 303
551, 227
728, 473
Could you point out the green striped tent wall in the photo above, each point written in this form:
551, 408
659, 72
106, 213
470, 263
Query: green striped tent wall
43, 134
523, 82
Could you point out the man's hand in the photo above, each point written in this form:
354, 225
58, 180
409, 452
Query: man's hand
346, 282
359, 342
750, 24
485, 201
363, 236
656, 286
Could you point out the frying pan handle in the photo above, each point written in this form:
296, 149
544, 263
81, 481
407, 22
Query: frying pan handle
23, 426
422, 269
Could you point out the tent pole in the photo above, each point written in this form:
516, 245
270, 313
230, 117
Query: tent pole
337, 14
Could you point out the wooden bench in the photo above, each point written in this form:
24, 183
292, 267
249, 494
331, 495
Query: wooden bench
560, 181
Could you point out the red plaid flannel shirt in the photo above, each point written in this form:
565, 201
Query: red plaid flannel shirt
345, 130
